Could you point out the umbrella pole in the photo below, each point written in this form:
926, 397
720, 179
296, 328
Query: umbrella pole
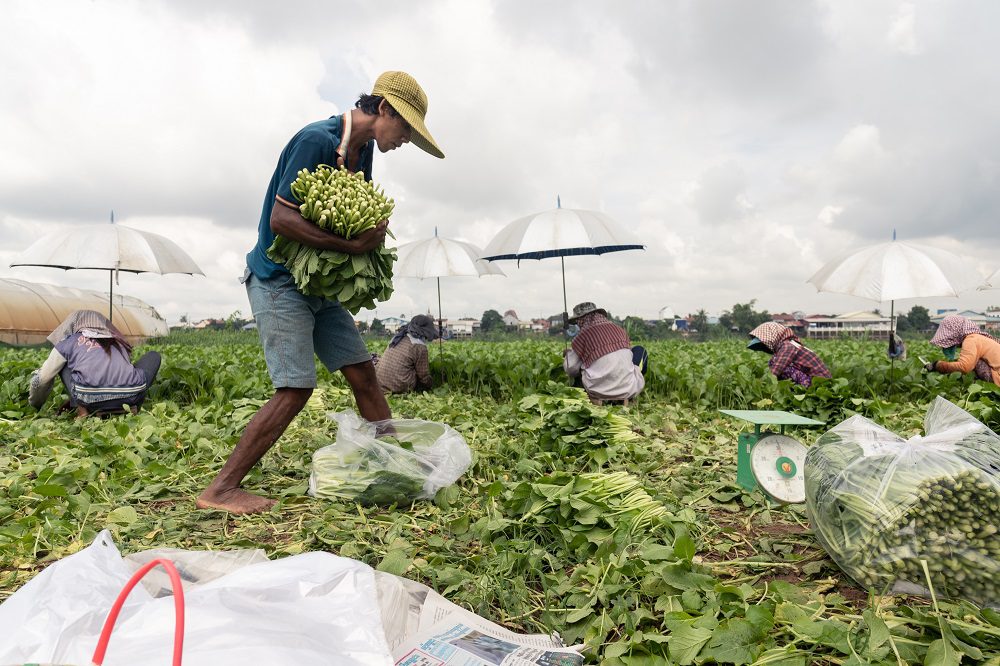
111, 294
892, 332
440, 322
562, 262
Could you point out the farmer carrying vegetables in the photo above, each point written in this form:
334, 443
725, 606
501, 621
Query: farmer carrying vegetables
292, 326
790, 358
93, 359
404, 366
603, 358
967, 348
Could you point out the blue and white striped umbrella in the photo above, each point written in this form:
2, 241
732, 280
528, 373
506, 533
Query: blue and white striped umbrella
560, 232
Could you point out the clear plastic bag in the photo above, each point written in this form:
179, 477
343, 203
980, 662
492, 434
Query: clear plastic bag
883, 507
388, 462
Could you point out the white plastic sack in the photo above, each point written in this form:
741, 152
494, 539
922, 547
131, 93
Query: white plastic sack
411, 459
314, 608
883, 507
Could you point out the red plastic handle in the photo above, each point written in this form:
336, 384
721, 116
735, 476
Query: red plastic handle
109, 624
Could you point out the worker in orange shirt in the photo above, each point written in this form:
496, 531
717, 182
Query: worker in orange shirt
967, 349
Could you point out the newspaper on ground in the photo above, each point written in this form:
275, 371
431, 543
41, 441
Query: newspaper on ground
425, 629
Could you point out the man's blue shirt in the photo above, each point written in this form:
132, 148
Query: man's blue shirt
313, 145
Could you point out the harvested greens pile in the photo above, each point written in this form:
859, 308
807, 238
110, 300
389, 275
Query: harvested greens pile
568, 425
586, 512
917, 514
389, 463
347, 205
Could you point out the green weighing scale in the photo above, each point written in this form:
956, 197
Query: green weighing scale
771, 461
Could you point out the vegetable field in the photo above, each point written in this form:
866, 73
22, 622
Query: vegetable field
619, 528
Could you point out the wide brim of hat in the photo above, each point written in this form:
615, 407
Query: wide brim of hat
575, 319
420, 137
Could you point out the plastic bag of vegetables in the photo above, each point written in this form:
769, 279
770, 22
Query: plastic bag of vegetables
907, 515
410, 460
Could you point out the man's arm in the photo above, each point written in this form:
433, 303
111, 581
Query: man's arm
288, 222
422, 367
782, 358
572, 363
43, 378
966, 360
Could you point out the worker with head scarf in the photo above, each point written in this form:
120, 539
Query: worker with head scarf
790, 359
94, 360
404, 366
967, 348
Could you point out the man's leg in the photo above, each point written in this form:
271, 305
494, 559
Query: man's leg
67, 379
367, 393
284, 323
261, 433
149, 363
640, 358
339, 345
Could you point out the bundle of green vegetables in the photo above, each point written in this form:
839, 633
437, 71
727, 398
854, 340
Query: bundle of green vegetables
564, 421
347, 205
588, 511
911, 514
388, 463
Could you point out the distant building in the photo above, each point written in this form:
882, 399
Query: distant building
393, 323
510, 319
210, 323
667, 314
465, 327
539, 325
794, 321
988, 321
854, 324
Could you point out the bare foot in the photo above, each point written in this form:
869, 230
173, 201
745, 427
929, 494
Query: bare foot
234, 501
82, 413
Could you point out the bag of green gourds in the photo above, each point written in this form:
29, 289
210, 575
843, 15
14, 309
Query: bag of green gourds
909, 515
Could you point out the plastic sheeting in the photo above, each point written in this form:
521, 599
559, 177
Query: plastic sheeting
314, 608
30, 311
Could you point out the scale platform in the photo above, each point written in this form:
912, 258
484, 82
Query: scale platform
771, 461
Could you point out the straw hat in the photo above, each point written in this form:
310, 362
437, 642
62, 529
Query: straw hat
409, 100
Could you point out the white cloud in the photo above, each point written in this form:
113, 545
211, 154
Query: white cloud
745, 146
902, 34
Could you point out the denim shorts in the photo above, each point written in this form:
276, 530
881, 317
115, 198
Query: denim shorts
293, 327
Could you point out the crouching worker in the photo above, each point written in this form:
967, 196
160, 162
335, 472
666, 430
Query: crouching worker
404, 366
790, 358
94, 361
967, 349
603, 358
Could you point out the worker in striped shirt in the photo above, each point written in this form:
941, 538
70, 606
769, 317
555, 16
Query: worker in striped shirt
602, 356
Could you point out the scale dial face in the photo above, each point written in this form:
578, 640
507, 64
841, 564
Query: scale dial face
777, 462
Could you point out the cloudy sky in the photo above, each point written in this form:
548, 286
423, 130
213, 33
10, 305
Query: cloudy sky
745, 143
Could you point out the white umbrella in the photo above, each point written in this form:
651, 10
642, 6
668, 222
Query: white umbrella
109, 247
895, 270
992, 282
560, 232
440, 257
